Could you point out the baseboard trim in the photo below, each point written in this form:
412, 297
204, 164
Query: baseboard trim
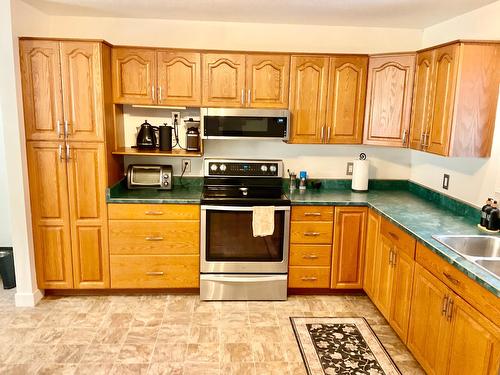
28, 299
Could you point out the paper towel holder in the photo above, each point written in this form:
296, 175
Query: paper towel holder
360, 175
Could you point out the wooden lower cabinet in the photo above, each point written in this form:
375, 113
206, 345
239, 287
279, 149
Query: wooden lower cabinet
370, 279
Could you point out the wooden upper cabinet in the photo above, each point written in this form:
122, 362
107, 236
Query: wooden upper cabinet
267, 81
346, 99
444, 79
223, 80
41, 83
421, 99
308, 95
82, 86
87, 204
50, 214
348, 247
134, 75
179, 78
388, 103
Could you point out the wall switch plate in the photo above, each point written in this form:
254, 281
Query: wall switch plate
446, 181
350, 166
186, 163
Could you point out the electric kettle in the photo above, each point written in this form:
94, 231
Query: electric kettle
146, 137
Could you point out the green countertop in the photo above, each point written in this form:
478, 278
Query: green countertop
411, 211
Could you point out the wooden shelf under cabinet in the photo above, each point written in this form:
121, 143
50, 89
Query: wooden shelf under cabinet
156, 152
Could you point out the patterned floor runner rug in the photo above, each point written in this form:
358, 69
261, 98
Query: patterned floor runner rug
341, 346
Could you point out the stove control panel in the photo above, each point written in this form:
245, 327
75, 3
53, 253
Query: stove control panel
243, 168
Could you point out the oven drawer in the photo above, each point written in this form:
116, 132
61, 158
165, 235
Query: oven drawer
309, 277
154, 271
311, 232
154, 211
310, 255
312, 213
158, 237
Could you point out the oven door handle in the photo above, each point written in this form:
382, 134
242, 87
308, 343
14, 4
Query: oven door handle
239, 208
251, 279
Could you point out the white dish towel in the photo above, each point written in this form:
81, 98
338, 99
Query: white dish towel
263, 221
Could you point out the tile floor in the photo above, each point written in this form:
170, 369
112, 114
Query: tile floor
170, 334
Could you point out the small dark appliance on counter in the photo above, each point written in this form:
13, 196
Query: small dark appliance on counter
146, 137
165, 138
149, 176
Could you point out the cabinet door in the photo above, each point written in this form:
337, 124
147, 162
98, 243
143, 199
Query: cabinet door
443, 93
474, 344
385, 273
388, 104
308, 94
421, 99
223, 80
370, 282
134, 75
348, 247
41, 83
82, 91
401, 293
87, 191
346, 99
267, 81
179, 78
429, 331
50, 214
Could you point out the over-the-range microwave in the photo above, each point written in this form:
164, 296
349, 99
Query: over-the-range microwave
244, 123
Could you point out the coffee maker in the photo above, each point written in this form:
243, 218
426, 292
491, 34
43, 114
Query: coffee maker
193, 135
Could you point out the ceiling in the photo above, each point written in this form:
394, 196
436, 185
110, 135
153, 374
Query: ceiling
376, 13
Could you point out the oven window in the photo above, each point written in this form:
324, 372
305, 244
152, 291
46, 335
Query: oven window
229, 237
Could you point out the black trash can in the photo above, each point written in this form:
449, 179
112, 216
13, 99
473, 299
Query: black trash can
7, 272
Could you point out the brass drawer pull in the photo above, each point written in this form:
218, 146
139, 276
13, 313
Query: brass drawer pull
154, 238
312, 256
310, 278
445, 305
449, 309
394, 236
155, 273
311, 234
312, 213
451, 278
153, 213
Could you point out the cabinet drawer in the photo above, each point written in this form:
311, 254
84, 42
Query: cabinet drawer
311, 232
312, 213
154, 211
460, 283
154, 271
402, 240
310, 255
154, 237
309, 277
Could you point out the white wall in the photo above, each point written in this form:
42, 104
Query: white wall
471, 180
5, 238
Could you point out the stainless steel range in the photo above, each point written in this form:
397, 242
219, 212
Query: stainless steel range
234, 264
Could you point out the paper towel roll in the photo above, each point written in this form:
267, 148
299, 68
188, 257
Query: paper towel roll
360, 175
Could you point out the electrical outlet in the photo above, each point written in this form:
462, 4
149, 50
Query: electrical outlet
350, 166
186, 163
176, 115
446, 181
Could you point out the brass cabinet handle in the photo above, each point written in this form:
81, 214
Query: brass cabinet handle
426, 139
449, 309
153, 92
445, 305
390, 257
329, 130
311, 256
153, 213
451, 278
249, 96
155, 273
242, 96
311, 234
394, 258
405, 137
59, 151
68, 154
58, 127
322, 134
154, 238
309, 278
159, 94
66, 128
312, 213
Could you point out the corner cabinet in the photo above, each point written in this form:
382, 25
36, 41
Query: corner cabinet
65, 89
455, 93
327, 99
388, 100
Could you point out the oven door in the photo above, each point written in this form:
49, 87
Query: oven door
228, 244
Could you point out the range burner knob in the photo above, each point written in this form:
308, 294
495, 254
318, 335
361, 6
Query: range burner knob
222, 167
263, 168
213, 167
272, 168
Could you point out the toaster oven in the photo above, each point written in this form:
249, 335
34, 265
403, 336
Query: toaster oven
149, 176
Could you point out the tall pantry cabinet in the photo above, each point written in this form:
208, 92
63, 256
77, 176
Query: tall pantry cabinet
67, 101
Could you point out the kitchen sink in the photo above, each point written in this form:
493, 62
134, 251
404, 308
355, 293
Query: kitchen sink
482, 250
